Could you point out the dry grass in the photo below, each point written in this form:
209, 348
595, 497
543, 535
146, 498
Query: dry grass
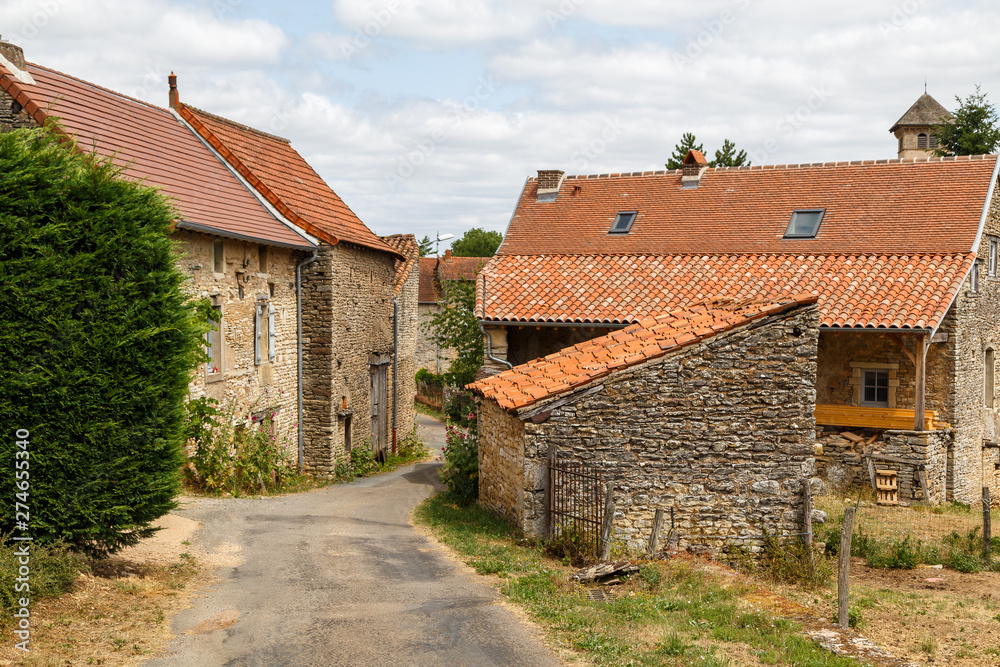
118, 615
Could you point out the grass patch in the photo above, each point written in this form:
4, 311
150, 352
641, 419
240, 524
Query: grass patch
53, 569
424, 409
669, 613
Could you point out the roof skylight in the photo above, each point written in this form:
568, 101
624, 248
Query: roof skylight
623, 222
805, 223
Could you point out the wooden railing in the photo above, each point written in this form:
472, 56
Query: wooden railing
863, 417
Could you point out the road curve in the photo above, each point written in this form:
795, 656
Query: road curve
337, 576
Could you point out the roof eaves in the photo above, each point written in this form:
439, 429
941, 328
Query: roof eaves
206, 229
204, 132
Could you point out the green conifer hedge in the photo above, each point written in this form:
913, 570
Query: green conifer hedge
98, 342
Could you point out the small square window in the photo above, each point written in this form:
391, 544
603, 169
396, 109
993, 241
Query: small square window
805, 223
623, 222
875, 390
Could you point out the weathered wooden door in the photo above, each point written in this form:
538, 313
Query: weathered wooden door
379, 395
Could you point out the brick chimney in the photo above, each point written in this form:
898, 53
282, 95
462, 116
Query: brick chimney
13, 53
447, 253
549, 182
173, 96
692, 168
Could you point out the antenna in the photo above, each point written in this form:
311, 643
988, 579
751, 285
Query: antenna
925, 84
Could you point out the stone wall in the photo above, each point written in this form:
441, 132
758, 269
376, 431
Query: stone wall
347, 322
503, 486
429, 356
975, 320
9, 118
408, 334
243, 384
722, 431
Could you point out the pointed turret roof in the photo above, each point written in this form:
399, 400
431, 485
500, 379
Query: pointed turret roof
925, 111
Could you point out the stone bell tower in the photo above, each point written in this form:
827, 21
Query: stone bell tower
916, 131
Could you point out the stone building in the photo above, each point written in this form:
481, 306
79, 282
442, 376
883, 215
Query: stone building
434, 273
235, 251
348, 296
259, 233
706, 410
916, 131
901, 255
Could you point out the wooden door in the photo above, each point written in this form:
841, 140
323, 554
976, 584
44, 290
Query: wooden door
379, 400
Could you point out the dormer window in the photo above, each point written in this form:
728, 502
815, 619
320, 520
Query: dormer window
805, 223
623, 222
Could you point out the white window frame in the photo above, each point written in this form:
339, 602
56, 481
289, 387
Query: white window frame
992, 271
974, 278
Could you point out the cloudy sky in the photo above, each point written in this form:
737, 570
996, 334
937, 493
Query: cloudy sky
426, 116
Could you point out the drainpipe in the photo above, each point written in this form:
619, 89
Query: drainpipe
395, 367
489, 340
298, 317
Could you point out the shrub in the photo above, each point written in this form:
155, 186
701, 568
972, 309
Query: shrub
432, 379
54, 568
459, 406
573, 546
246, 453
787, 560
460, 472
100, 340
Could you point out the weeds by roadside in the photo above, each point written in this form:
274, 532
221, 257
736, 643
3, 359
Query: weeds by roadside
361, 461
54, 568
670, 613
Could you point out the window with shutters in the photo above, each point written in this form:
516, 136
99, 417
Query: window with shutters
265, 334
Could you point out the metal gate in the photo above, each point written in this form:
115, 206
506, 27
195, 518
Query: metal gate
574, 498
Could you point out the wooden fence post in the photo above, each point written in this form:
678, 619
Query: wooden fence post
654, 538
844, 568
609, 519
807, 519
987, 529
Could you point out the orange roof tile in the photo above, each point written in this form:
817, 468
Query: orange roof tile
650, 338
864, 291
285, 178
407, 246
917, 206
154, 148
433, 270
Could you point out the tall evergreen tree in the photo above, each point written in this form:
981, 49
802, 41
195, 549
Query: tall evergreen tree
426, 246
974, 130
727, 156
98, 342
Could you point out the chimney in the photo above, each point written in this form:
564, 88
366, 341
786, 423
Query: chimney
692, 168
13, 54
447, 253
174, 97
549, 182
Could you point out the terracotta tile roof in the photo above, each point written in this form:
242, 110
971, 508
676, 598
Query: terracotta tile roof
407, 246
155, 148
285, 178
433, 270
883, 291
916, 206
648, 339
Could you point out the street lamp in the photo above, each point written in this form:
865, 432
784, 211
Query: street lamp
441, 237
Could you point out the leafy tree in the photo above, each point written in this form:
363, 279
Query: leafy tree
455, 326
727, 156
974, 130
477, 243
99, 341
687, 143
426, 246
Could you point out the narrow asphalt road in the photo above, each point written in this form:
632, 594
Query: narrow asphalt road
338, 577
